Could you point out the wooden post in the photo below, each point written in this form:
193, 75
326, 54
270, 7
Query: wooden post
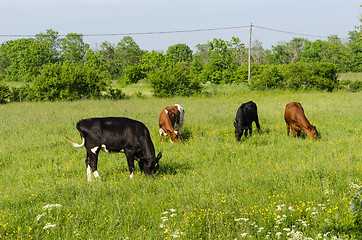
251, 26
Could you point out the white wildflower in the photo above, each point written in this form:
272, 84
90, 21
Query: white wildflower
172, 215
161, 225
291, 208
243, 219
260, 229
39, 216
172, 210
286, 229
50, 206
280, 207
244, 234
49, 225
164, 213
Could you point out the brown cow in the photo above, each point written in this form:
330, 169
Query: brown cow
171, 122
295, 119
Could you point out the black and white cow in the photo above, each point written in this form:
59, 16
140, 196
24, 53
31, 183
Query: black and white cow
117, 134
245, 116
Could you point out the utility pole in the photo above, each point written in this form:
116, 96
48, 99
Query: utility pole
251, 26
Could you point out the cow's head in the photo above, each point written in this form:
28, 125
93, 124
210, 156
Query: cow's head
238, 131
152, 165
175, 136
312, 132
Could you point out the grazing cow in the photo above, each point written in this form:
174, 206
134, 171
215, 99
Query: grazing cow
117, 134
245, 116
171, 122
295, 119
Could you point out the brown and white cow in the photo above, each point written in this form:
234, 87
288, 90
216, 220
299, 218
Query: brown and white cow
171, 122
297, 121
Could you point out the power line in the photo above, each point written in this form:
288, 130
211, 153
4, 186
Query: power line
134, 33
292, 33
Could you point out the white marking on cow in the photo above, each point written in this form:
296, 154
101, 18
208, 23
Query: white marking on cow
182, 112
166, 111
89, 173
162, 132
176, 132
104, 148
74, 144
131, 176
96, 175
94, 150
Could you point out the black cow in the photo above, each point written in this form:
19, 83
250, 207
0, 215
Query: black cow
117, 134
245, 116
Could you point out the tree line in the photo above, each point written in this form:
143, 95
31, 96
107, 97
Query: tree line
67, 68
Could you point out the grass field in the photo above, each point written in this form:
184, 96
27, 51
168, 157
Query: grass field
268, 186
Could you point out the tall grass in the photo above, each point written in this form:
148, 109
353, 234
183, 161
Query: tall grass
209, 186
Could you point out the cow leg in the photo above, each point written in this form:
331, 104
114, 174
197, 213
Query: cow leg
141, 164
293, 131
246, 133
257, 124
288, 129
298, 133
130, 160
91, 164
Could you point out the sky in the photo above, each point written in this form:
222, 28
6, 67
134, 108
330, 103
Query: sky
171, 22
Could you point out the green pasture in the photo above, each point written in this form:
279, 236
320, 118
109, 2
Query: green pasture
268, 186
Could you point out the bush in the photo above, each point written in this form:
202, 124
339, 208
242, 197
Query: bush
134, 74
269, 78
115, 94
19, 94
174, 80
355, 86
297, 76
68, 81
4, 93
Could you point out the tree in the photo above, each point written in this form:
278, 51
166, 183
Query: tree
179, 53
107, 52
73, 48
52, 41
127, 52
22, 59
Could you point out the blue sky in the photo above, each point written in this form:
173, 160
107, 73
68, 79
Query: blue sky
312, 17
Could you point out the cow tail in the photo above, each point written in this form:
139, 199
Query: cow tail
74, 144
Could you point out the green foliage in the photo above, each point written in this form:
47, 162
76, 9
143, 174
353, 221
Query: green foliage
4, 93
115, 94
179, 53
73, 48
297, 76
173, 80
22, 59
134, 73
68, 81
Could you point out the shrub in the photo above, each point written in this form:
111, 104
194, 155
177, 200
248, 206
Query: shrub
4, 93
269, 78
297, 76
68, 81
115, 94
173, 80
134, 74
355, 86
